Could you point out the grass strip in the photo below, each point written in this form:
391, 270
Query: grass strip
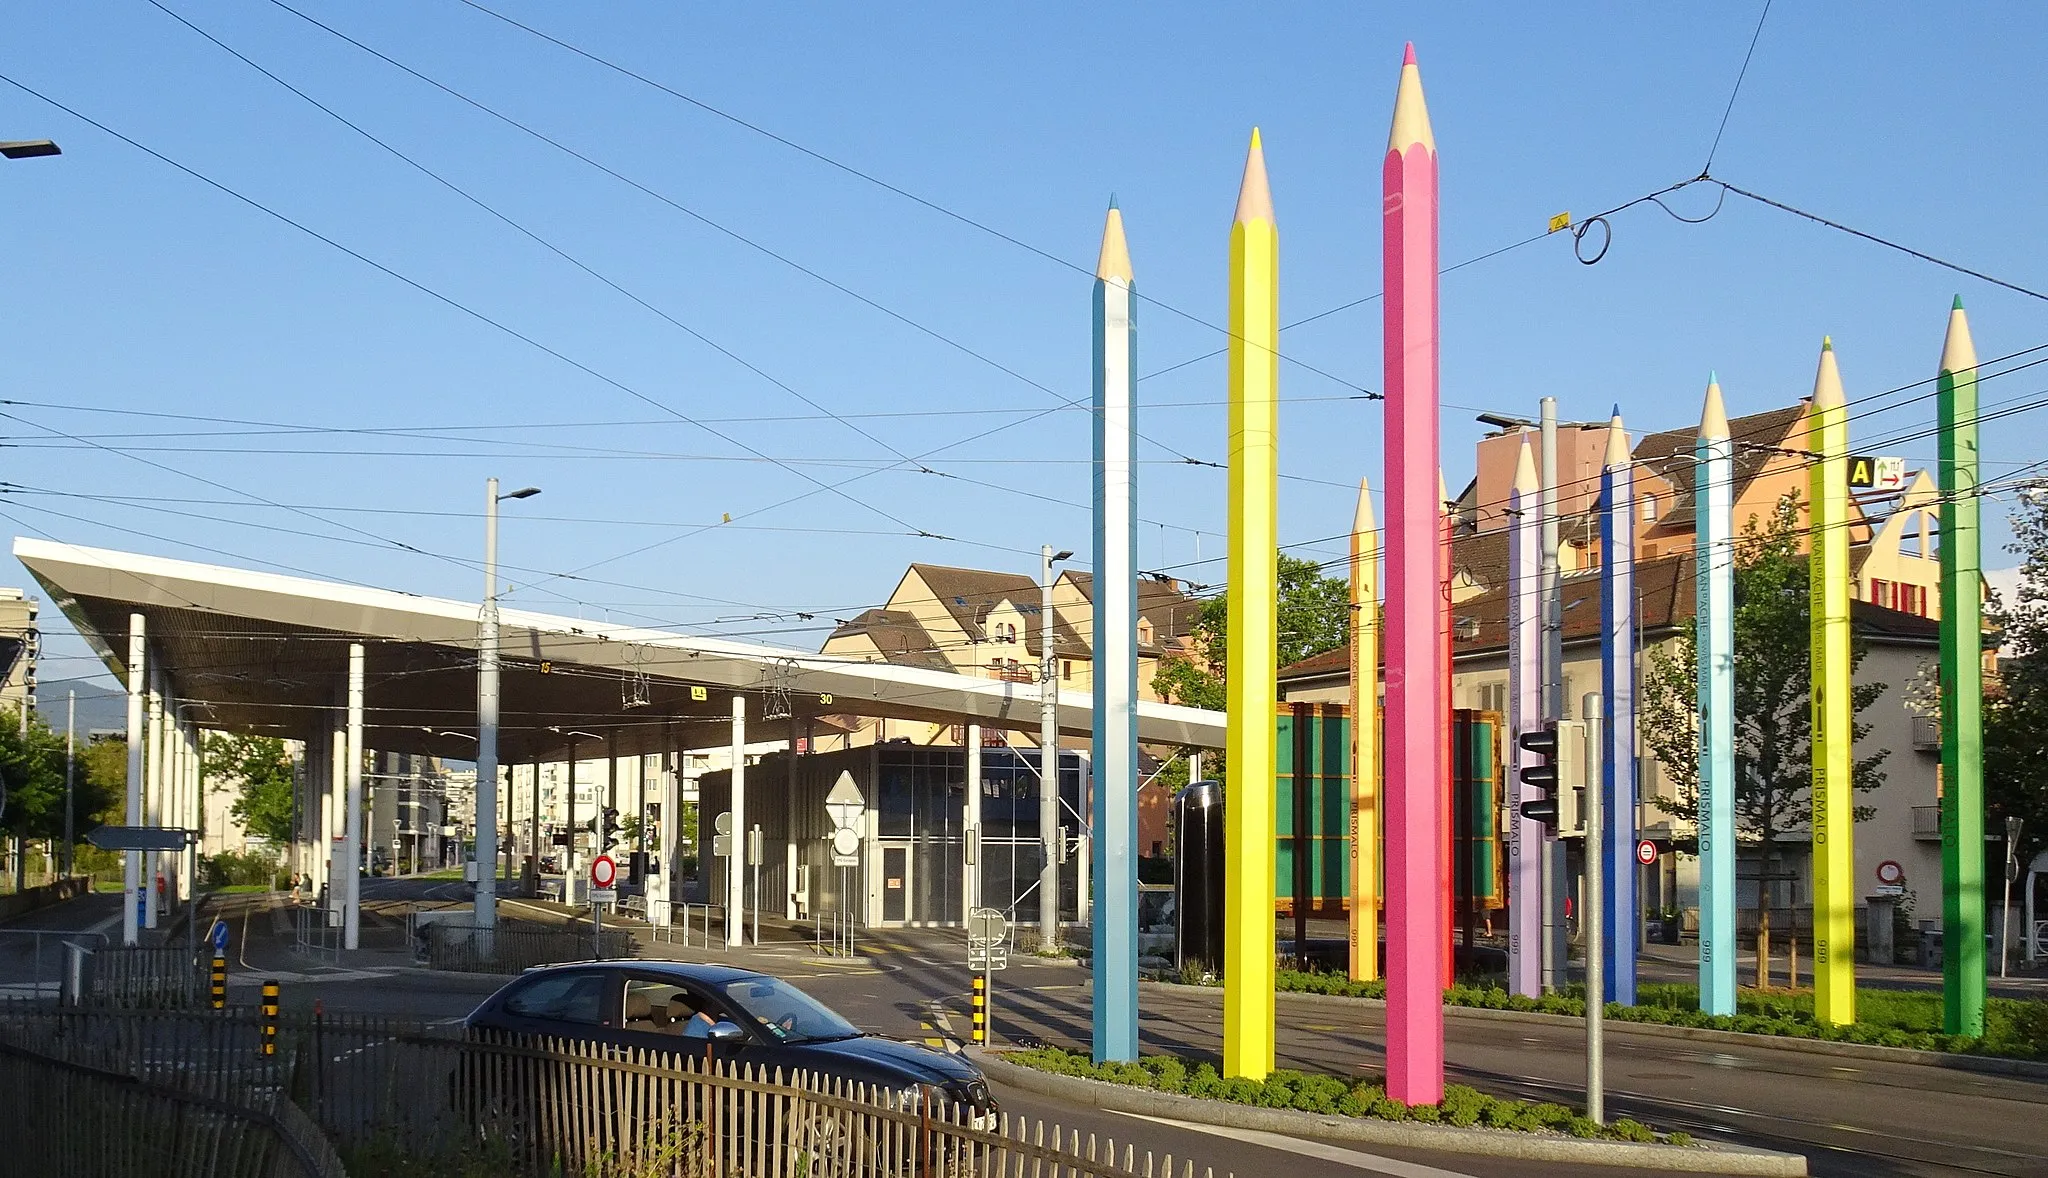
1337, 1096
2014, 1028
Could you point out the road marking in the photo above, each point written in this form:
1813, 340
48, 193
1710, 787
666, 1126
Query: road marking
1314, 1149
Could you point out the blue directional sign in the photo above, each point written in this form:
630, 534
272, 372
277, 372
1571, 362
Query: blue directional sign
219, 936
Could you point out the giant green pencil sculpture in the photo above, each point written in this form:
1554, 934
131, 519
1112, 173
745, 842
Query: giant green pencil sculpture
1962, 687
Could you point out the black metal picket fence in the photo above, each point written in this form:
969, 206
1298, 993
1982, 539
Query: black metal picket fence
192, 1093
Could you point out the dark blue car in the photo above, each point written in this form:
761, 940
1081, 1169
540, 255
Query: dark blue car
736, 1015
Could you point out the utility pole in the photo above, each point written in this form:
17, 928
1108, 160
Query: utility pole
70, 773
1552, 876
486, 799
1049, 755
1590, 916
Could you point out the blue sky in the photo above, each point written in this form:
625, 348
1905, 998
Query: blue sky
132, 287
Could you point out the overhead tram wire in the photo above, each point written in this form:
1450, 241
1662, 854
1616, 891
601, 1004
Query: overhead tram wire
850, 170
1736, 90
434, 432
459, 306
701, 219
527, 232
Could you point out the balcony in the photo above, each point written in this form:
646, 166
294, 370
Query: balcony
1927, 824
1926, 734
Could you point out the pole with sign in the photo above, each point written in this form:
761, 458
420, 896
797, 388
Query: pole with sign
846, 806
721, 848
988, 950
604, 875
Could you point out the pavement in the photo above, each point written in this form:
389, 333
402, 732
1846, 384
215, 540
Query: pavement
1850, 1117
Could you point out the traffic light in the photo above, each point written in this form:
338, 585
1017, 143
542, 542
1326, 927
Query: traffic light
1542, 775
608, 831
1560, 774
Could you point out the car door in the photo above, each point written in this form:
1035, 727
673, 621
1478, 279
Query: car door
565, 1004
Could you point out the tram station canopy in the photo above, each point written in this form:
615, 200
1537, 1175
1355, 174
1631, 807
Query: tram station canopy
266, 653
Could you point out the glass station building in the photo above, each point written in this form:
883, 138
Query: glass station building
920, 823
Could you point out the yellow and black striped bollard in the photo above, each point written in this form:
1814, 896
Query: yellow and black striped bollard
980, 1011
270, 1017
220, 981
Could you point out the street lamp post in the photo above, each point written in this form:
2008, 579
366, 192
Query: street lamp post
487, 716
1049, 758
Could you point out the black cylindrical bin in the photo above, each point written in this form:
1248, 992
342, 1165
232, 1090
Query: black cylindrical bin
1198, 877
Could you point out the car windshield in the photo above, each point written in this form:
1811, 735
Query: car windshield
788, 1014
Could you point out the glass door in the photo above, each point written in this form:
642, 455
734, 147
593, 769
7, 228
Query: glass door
895, 884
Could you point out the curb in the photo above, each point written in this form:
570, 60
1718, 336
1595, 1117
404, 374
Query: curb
1712, 1159
1989, 1065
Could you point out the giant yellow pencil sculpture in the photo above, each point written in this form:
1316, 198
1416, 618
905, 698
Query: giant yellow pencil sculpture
1248, 850
1834, 800
1365, 740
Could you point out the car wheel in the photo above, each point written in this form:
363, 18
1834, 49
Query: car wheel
820, 1143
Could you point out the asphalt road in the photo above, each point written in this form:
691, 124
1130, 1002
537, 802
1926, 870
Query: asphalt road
1850, 1117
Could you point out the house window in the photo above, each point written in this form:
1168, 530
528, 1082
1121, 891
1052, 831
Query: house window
1909, 537
1067, 670
1649, 508
995, 666
1881, 593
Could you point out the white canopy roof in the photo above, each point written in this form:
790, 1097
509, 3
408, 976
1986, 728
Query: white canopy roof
264, 652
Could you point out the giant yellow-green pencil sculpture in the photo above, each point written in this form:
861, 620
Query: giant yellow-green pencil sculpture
1248, 848
1962, 687
1834, 798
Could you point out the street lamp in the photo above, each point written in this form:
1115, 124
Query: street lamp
1049, 756
487, 718
28, 149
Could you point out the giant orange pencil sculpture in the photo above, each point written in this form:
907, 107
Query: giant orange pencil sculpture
1416, 928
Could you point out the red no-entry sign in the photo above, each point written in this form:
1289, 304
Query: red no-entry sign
1646, 852
603, 872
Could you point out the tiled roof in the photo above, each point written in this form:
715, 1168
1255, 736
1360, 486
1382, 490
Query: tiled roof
1757, 439
969, 595
1665, 591
897, 635
1163, 603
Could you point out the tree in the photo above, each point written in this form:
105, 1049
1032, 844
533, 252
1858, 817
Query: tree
103, 774
261, 774
1773, 684
2016, 704
32, 767
1314, 615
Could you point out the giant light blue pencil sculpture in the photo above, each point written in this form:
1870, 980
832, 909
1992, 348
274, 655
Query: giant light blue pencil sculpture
1619, 921
1116, 650
1714, 640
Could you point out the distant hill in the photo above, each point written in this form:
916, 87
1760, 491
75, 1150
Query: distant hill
100, 708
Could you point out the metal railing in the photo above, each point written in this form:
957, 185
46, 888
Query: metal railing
513, 948
1927, 823
76, 1121
667, 932
165, 977
526, 1106
42, 952
314, 935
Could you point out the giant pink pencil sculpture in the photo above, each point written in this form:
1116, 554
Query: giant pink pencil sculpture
1417, 931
